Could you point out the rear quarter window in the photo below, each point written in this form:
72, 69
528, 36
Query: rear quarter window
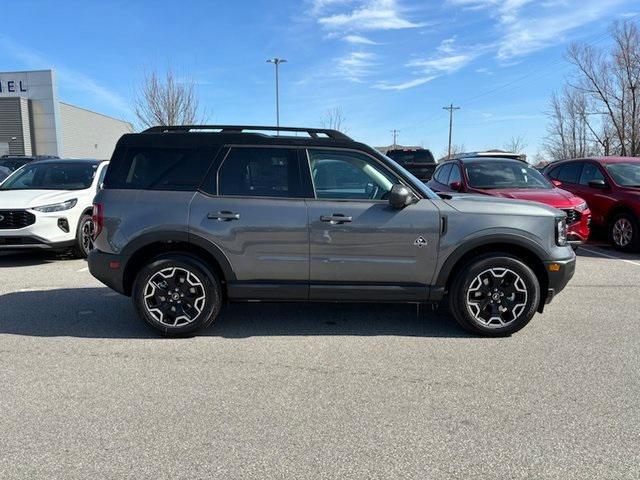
144, 168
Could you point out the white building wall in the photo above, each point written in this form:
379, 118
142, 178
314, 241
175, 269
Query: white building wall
87, 134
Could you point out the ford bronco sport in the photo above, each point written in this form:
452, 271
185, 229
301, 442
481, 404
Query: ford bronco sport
193, 216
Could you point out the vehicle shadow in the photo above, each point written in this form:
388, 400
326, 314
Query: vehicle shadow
12, 259
100, 313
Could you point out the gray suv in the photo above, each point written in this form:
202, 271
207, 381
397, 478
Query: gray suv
192, 217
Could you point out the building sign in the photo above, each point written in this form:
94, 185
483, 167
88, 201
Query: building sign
8, 86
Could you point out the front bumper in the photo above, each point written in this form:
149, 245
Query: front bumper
109, 269
45, 233
559, 273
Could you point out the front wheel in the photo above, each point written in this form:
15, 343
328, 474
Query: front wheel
494, 296
623, 232
177, 294
84, 237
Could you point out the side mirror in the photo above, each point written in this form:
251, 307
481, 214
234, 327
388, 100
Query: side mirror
455, 186
400, 196
601, 184
557, 183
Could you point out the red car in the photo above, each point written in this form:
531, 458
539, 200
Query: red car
508, 178
611, 187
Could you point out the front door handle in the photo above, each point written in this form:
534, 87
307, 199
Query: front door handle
336, 218
223, 216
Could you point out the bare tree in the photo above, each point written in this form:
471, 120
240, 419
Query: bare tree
167, 101
599, 110
516, 144
334, 119
456, 148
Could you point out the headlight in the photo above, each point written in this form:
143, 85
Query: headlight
561, 232
57, 207
581, 208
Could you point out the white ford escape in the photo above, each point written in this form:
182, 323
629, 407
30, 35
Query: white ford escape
48, 204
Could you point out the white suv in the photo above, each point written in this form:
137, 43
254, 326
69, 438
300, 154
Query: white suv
48, 205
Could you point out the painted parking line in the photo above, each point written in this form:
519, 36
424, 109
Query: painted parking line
602, 254
84, 269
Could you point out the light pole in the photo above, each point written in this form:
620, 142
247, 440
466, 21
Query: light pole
277, 61
451, 109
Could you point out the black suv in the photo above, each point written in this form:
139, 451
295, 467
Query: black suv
419, 161
190, 217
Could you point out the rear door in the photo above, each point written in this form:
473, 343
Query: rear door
360, 247
252, 208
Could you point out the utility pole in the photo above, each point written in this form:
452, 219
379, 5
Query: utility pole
395, 137
277, 61
451, 108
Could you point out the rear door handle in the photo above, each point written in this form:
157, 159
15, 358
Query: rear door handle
223, 216
336, 218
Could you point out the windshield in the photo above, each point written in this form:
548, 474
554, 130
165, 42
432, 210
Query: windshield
489, 174
625, 174
52, 176
411, 156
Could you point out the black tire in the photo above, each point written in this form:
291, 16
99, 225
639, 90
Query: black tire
619, 235
81, 248
192, 311
493, 322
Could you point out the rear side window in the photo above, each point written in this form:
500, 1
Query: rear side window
158, 169
568, 173
260, 172
443, 174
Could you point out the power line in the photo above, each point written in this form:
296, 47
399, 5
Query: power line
451, 108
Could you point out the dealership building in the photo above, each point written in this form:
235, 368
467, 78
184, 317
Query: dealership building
33, 121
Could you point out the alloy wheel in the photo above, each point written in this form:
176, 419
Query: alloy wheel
86, 236
497, 297
622, 232
174, 296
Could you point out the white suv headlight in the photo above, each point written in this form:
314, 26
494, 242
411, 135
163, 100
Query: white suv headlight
57, 207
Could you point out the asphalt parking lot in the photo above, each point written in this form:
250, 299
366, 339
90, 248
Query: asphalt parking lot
316, 391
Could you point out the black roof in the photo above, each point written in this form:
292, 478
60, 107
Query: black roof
206, 135
493, 159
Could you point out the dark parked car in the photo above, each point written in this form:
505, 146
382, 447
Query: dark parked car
419, 161
10, 163
192, 217
509, 178
611, 187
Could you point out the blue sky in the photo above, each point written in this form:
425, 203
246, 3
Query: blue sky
389, 64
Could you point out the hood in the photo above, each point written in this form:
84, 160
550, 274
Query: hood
482, 204
554, 197
21, 199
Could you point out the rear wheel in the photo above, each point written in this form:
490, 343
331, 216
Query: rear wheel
177, 294
494, 296
623, 232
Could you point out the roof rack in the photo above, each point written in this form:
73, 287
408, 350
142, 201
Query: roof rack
312, 132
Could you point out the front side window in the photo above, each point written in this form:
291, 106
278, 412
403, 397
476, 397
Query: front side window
494, 174
52, 176
625, 174
590, 172
348, 175
260, 172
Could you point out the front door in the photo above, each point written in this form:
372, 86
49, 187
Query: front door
252, 209
360, 247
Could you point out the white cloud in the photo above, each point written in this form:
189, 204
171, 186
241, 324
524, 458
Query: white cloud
359, 39
367, 15
449, 58
405, 85
526, 26
357, 65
